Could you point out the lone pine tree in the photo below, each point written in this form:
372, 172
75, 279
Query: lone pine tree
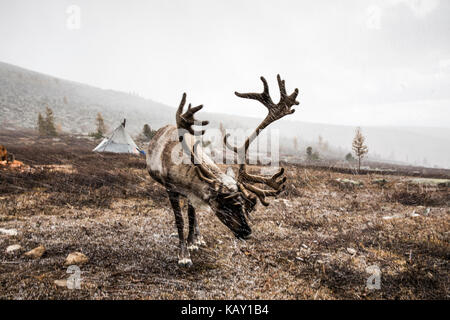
359, 147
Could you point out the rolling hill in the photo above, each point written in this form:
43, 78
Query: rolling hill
25, 93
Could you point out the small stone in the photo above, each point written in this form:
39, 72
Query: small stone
414, 214
76, 258
392, 217
9, 232
36, 253
304, 246
348, 182
380, 182
351, 250
443, 183
60, 283
12, 248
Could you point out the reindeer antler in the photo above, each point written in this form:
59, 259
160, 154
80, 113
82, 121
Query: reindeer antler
276, 111
185, 121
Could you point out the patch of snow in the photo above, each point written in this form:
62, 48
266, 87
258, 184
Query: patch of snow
9, 232
13, 248
392, 217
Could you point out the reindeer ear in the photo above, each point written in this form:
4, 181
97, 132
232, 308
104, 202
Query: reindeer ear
230, 173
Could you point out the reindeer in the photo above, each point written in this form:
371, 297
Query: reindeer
202, 182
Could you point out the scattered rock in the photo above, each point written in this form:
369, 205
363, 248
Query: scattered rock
351, 251
9, 232
76, 258
60, 283
286, 202
36, 253
380, 182
12, 248
392, 217
348, 182
414, 214
431, 182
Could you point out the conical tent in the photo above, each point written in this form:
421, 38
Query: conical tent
118, 142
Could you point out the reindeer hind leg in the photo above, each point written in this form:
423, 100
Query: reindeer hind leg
184, 258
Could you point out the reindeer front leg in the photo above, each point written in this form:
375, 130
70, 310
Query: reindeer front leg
194, 239
184, 258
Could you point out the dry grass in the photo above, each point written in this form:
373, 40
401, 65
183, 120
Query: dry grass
107, 207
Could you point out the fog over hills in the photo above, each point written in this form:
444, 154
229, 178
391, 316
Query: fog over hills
24, 93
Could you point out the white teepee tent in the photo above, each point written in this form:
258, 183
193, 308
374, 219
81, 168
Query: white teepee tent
118, 142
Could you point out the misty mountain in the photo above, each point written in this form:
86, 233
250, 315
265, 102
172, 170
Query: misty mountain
25, 93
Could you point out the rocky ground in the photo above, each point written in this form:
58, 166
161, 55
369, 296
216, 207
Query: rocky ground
321, 239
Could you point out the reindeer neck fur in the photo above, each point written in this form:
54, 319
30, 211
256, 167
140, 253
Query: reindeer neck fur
167, 167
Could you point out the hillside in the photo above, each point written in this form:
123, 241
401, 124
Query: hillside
24, 93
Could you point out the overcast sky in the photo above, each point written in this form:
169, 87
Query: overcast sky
360, 62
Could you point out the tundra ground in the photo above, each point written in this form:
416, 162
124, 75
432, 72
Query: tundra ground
315, 241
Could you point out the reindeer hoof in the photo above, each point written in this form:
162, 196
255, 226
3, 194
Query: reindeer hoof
192, 247
200, 242
185, 262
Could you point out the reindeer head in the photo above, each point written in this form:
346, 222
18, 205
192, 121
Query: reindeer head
233, 210
223, 195
231, 199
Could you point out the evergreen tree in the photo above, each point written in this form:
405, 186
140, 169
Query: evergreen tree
147, 131
41, 125
310, 155
46, 126
359, 147
349, 157
101, 128
50, 122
